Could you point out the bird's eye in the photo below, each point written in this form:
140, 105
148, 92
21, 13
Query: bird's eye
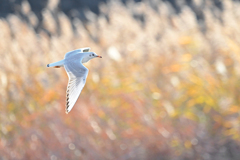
92, 54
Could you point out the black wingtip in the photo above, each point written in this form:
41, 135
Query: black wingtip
47, 65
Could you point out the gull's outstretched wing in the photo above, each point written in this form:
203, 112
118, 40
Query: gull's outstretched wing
74, 52
77, 74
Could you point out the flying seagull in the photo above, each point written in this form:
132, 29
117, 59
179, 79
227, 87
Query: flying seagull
76, 71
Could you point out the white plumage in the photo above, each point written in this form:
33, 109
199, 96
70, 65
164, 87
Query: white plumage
76, 71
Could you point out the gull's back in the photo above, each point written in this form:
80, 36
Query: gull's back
68, 55
77, 51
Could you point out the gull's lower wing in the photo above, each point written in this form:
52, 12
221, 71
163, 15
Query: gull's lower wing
77, 74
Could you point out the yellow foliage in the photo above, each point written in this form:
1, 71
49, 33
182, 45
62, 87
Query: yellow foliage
175, 143
185, 40
191, 116
234, 109
175, 68
186, 57
187, 144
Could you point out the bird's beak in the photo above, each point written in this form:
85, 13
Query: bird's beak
99, 56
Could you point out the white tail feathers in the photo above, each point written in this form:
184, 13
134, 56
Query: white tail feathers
56, 64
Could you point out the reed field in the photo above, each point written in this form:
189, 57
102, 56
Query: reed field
167, 88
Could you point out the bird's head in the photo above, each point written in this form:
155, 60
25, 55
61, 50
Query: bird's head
89, 55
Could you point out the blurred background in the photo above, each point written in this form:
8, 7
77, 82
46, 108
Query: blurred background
167, 87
